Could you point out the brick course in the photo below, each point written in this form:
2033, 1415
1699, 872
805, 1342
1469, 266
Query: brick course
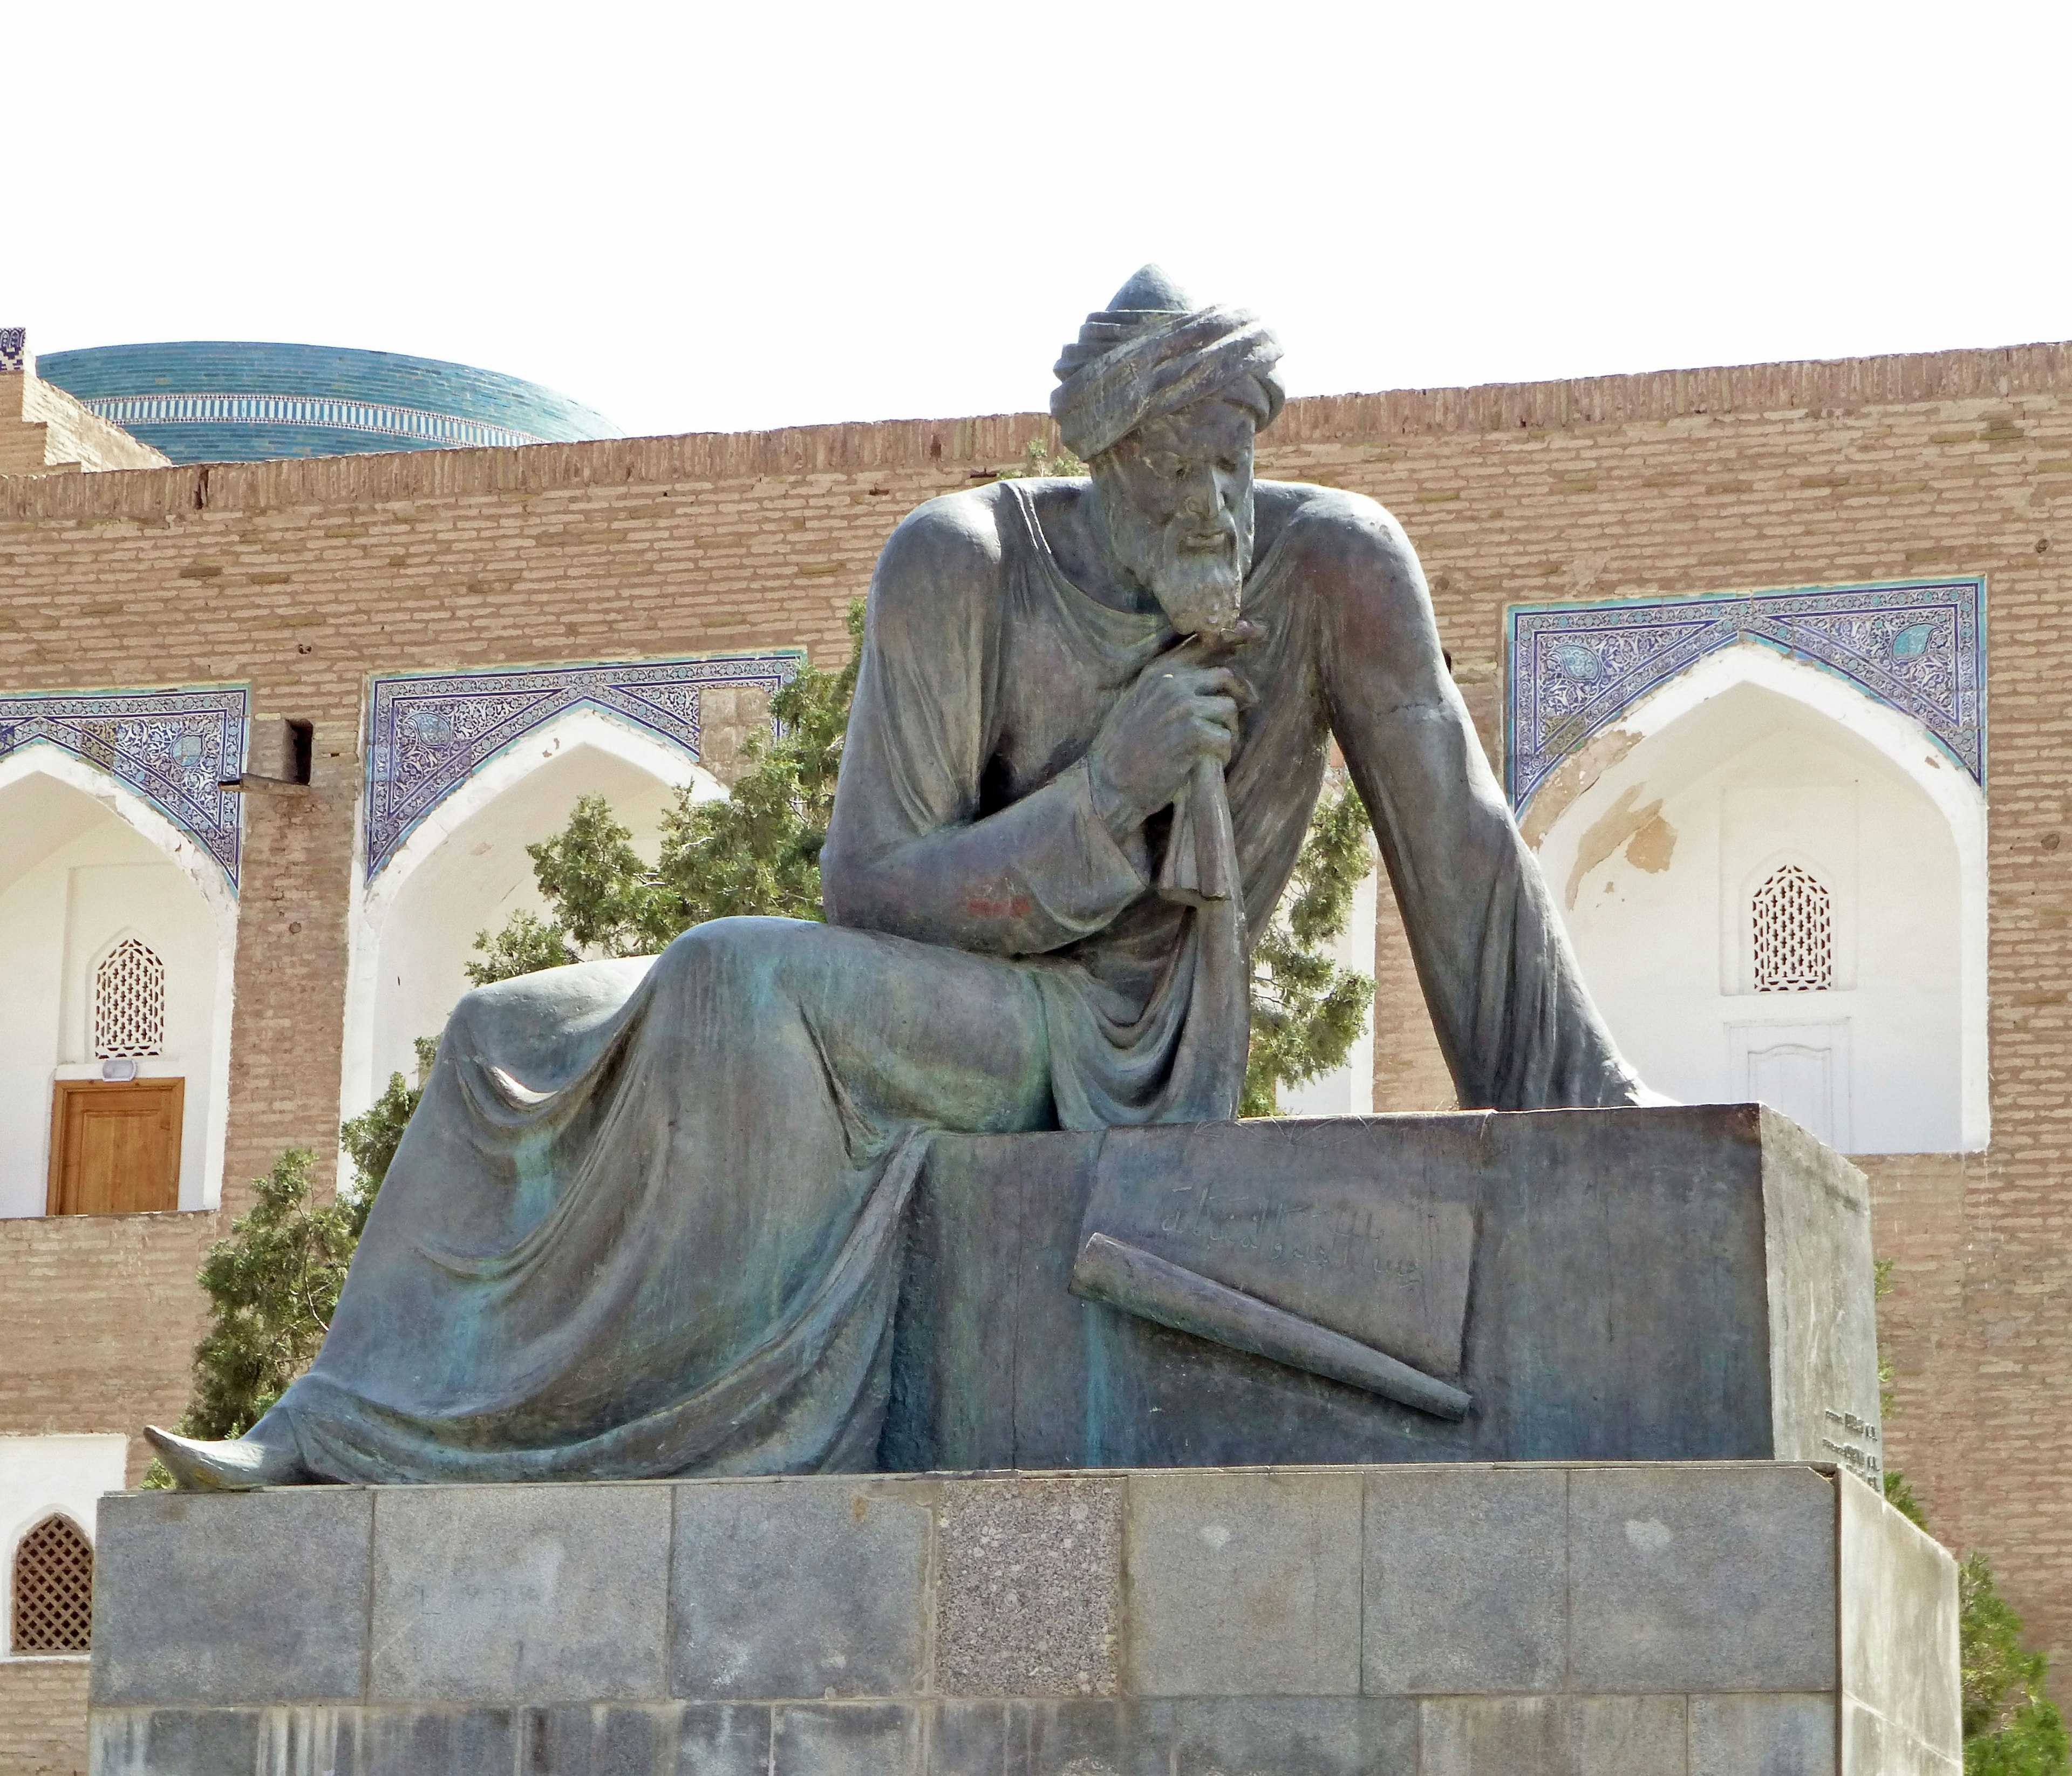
43, 1717
304, 577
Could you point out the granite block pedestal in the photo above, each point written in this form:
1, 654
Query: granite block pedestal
1454, 1619
1692, 1282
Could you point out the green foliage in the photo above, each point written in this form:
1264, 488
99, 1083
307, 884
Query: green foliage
1899, 1494
758, 851
273, 1283
2010, 1728
371, 1138
1307, 1011
271, 1287
1038, 459
525, 945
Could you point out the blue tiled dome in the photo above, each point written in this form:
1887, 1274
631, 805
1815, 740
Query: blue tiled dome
220, 401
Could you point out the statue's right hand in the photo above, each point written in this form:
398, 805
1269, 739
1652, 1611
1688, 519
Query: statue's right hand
1170, 717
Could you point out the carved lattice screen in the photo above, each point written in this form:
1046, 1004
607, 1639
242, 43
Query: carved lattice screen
53, 1611
1794, 939
129, 1002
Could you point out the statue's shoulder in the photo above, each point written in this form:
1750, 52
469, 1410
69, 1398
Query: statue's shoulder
1329, 520
959, 529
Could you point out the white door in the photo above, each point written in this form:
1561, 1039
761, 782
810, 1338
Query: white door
1800, 1069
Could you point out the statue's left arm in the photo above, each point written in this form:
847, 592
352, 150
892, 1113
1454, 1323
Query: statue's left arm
1507, 1000
910, 851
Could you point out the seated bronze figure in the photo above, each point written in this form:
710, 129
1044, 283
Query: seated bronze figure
645, 1220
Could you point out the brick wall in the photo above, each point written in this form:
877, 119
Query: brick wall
304, 577
43, 1717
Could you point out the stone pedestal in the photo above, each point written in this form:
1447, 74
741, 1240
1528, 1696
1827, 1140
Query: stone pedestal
1456, 1619
1688, 1283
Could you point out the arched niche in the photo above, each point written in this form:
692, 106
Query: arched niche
464, 870
50, 1610
87, 863
1749, 764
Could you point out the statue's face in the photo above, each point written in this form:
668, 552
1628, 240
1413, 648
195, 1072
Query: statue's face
1176, 504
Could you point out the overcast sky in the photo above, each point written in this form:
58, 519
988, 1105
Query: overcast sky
699, 217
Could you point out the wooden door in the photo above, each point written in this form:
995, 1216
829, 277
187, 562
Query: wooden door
115, 1146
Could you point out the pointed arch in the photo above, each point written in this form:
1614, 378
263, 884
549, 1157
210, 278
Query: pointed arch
51, 1588
75, 828
1587, 824
462, 868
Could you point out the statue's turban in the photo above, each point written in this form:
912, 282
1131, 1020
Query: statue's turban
1148, 354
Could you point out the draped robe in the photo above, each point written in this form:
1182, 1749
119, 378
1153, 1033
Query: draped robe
645, 1220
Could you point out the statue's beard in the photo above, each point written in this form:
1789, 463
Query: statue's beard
1200, 588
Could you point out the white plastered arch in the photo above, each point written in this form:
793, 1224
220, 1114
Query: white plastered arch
563, 742
1630, 749
193, 861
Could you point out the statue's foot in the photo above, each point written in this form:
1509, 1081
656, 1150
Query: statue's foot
238, 1465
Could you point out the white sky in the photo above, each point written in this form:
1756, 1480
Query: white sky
705, 217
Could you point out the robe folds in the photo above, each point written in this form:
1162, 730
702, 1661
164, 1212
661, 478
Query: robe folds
646, 1219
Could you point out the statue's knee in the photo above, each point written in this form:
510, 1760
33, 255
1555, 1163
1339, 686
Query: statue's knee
731, 950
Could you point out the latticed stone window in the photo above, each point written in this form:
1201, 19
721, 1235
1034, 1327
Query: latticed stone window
129, 1002
1794, 933
53, 1589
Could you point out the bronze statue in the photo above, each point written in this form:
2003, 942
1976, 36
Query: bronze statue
646, 1218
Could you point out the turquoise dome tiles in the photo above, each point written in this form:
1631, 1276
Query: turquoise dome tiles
224, 401
1916, 646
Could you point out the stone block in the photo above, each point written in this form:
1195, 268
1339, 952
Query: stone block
1762, 1735
1873, 1745
520, 1594
1029, 1594
720, 1739
1724, 1256
814, 1587
847, 1739
1899, 1623
1649, 1620
224, 1598
1243, 1584
1288, 1736
173, 1741
1701, 1579
401, 1742
1553, 1736
971, 1736
308, 1742
601, 1739
1466, 1586
1064, 1738
1633, 1735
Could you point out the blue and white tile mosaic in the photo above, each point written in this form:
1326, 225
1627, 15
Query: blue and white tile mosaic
428, 733
174, 748
1917, 646
14, 349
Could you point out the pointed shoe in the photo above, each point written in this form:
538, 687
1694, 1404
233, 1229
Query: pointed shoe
237, 1465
